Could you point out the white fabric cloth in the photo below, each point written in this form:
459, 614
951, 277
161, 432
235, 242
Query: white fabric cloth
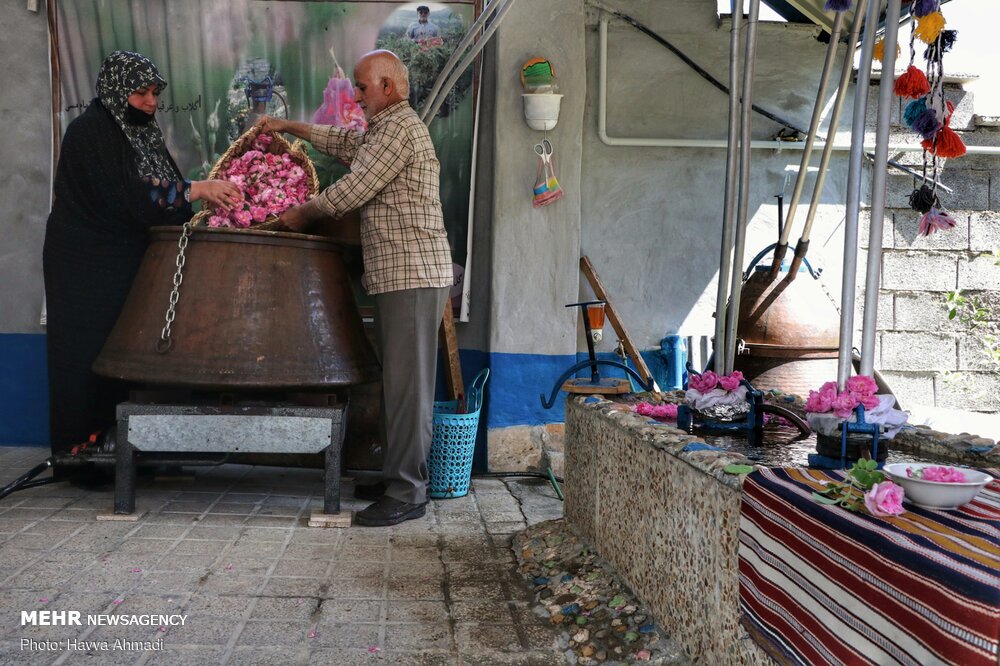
717, 396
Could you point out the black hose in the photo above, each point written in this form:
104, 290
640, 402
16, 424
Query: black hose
503, 475
696, 67
21, 482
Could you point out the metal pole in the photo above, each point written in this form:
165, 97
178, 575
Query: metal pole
849, 281
726, 251
746, 117
831, 134
886, 100
817, 115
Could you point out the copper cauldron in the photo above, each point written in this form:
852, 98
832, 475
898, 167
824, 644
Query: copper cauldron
257, 310
791, 333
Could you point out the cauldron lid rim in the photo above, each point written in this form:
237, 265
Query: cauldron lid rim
244, 235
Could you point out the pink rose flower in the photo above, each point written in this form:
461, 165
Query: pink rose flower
731, 382
704, 382
665, 411
884, 499
258, 213
942, 475
869, 401
818, 403
844, 405
862, 384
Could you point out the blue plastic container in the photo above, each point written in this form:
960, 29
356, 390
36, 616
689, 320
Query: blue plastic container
454, 442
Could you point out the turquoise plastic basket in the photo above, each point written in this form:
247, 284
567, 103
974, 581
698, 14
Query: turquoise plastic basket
454, 443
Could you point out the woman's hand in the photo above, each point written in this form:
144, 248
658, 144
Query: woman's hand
216, 193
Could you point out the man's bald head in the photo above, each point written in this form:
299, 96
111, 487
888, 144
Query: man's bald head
384, 64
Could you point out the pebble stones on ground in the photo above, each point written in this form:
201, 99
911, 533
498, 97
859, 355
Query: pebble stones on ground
601, 622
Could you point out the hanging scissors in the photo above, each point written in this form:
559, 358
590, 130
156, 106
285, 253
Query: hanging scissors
544, 150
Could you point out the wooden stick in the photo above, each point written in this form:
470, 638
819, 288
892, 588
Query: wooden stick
452, 363
616, 322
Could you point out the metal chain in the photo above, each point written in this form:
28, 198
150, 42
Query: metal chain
165, 342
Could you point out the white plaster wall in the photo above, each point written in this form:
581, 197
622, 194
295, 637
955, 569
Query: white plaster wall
25, 170
536, 251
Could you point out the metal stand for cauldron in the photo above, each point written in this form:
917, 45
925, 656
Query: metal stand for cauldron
154, 428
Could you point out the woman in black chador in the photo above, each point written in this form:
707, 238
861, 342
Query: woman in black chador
115, 180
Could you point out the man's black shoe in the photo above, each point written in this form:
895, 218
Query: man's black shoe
388, 511
371, 492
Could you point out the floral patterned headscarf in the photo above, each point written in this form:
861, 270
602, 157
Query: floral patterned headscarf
122, 73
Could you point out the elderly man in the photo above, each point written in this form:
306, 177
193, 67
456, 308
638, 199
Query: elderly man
394, 179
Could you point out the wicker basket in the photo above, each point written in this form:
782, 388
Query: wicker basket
296, 151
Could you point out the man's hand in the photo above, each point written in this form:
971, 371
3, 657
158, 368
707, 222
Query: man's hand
272, 124
294, 219
293, 127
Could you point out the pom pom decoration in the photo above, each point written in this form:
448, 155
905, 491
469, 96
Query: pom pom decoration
911, 83
941, 45
933, 220
837, 5
880, 50
926, 124
923, 199
922, 8
929, 27
914, 109
947, 143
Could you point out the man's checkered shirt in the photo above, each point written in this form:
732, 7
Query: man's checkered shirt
395, 180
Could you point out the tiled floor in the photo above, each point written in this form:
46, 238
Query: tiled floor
228, 548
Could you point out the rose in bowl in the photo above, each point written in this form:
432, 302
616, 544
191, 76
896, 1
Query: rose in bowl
937, 494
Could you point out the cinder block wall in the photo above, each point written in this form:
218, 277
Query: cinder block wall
919, 349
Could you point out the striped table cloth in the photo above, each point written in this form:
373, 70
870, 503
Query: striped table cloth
822, 585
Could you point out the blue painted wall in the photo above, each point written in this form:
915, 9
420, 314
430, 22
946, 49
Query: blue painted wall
24, 392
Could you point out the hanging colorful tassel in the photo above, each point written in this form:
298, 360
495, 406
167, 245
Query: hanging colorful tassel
941, 45
933, 220
926, 124
880, 50
911, 83
947, 143
923, 7
923, 199
929, 27
914, 109
838, 5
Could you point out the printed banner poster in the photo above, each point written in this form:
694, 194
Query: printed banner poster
225, 60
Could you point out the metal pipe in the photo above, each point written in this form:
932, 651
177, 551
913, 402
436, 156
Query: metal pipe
746, 118
845, 76
817, 115
853, 209
886, 100
726, 249
760, 144
474, 30
431, 108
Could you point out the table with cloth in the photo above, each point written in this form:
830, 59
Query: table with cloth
823, 585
